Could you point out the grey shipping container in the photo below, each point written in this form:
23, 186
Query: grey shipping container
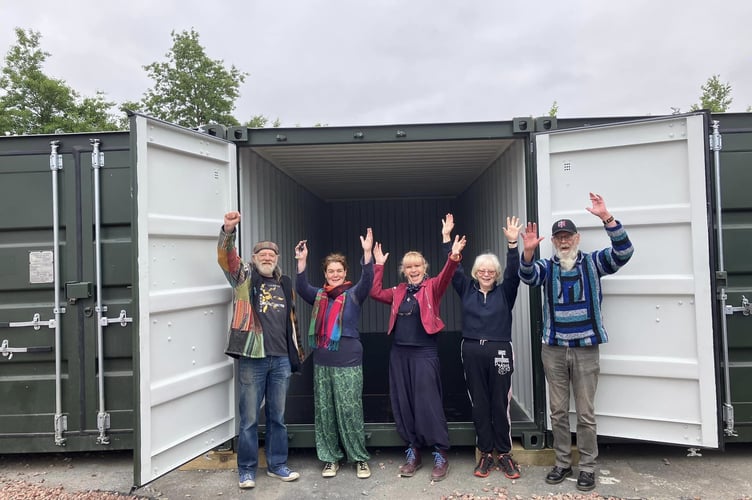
113, 312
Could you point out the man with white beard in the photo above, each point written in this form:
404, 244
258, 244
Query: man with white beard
264, 339
573, 329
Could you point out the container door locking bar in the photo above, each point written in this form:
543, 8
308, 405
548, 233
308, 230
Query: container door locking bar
716, 144
60, 420
8, 351
745, 308
123, 319
35, 323
103, 418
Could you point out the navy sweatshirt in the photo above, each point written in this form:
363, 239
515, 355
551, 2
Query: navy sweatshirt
488, 316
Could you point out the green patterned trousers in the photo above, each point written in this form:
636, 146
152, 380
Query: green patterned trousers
338, 403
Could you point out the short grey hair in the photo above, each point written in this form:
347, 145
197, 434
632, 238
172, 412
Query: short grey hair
488, 259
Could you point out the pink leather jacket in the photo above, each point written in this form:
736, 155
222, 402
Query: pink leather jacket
428, 297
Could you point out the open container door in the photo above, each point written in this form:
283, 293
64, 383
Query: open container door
185, 402
658, 373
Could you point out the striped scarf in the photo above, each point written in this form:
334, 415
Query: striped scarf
326, 329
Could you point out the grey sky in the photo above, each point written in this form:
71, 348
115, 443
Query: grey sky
344, 62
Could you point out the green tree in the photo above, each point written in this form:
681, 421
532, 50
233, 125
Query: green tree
34, 103
716, 96
261, 121
191, 89
554, 109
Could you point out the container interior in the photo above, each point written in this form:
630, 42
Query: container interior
329, 194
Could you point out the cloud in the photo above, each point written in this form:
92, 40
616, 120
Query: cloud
341, 62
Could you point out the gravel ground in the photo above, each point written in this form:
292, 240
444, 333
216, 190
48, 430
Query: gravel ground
626, 472
22, 490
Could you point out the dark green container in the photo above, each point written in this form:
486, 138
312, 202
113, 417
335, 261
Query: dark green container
163, 191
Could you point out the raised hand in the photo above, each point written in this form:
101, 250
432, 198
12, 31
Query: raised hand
367, 244
512, 231
458, 245
531, 239
447, 225
301, 250
367, 241
379, 256
232, 219
599, 207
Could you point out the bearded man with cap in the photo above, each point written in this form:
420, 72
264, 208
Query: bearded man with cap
573, 329
264, 339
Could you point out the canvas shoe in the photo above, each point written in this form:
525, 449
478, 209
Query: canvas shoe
284, 473
247, 480
362, 470
330, 469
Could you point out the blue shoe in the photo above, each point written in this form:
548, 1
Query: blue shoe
284, 473
247, 480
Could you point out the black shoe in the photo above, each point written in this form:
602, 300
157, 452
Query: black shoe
586, 481
484, 464
558, 474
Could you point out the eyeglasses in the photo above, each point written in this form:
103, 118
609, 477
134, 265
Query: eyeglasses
563, 236
486, 272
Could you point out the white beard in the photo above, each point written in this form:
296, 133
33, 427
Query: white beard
265, 269
567, 259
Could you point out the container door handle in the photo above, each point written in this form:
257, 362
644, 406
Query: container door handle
8, 351
745, 308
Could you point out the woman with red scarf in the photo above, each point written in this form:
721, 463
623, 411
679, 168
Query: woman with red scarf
337, 357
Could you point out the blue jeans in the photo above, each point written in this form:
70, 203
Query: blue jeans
265, 378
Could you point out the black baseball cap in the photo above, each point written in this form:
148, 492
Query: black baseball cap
563, 225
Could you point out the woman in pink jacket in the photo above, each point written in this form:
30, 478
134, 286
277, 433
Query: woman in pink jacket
414, 371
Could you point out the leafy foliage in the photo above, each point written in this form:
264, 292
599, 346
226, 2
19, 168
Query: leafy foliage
191, 89
261, 121
34, 103
716, 96
554, 109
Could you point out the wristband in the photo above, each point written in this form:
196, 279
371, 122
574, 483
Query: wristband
609, 220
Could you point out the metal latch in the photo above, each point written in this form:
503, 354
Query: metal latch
123, 319
36, 323
8, 351
745, 308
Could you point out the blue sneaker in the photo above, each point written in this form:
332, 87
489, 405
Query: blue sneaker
247, 480
284, 473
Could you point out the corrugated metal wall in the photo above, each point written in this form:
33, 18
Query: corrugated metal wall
483, 209
274, 207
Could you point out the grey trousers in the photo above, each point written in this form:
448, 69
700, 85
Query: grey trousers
578, 368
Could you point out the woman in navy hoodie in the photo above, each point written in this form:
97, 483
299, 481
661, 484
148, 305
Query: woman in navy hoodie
487, 355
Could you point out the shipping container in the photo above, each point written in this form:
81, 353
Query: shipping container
113, 311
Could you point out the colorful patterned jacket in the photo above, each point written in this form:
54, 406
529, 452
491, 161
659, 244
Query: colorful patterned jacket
246, 336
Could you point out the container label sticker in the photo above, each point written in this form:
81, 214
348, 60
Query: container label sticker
41, 267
